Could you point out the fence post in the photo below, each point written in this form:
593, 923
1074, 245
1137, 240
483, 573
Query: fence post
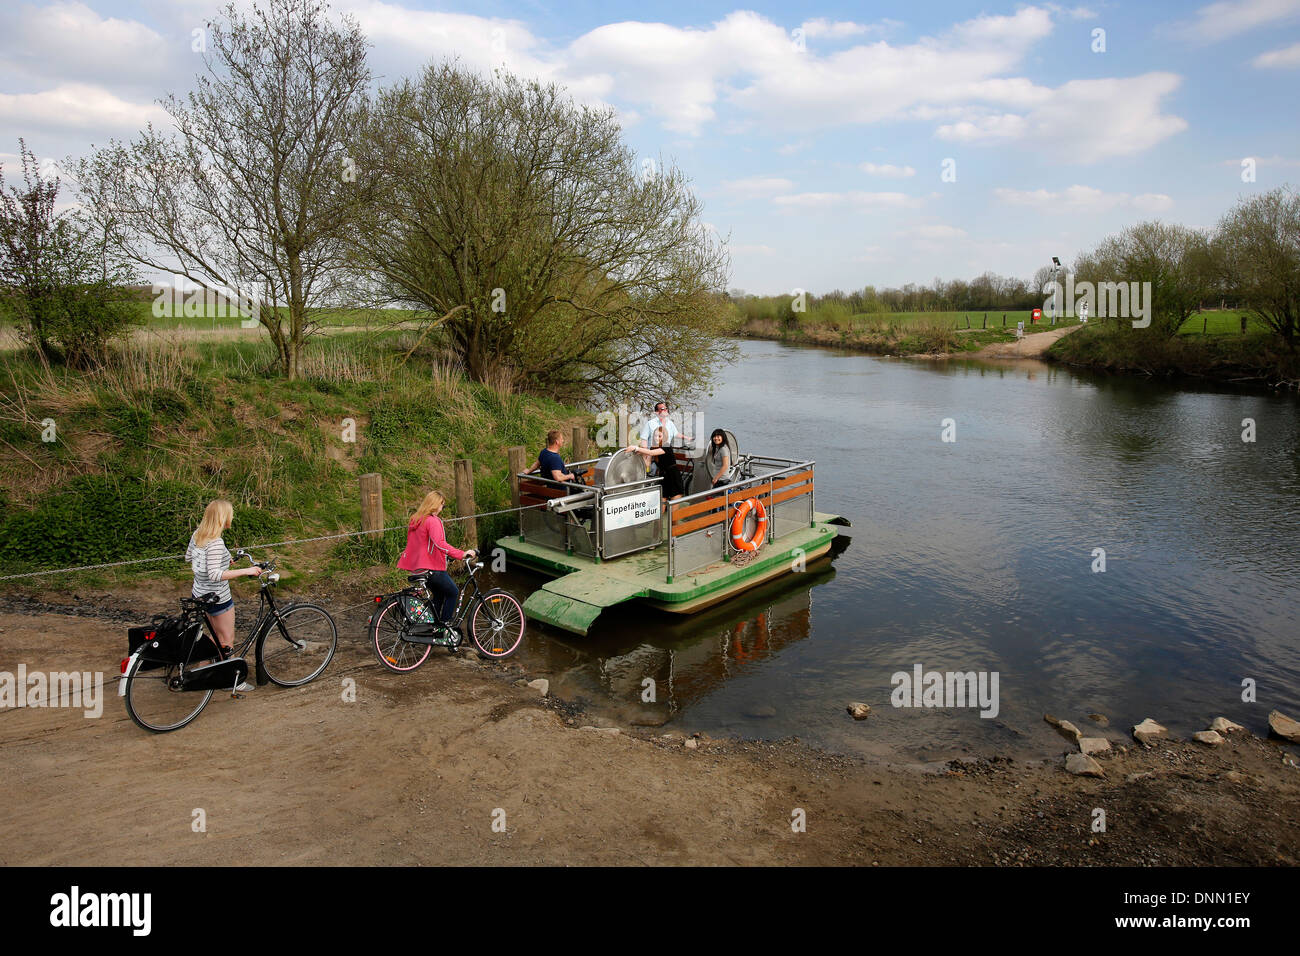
516, 461
372, 502
465, 500
986, 321
579, 444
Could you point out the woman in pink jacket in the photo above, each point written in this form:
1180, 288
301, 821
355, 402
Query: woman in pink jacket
427, 550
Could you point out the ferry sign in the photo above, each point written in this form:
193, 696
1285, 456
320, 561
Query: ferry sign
628, 510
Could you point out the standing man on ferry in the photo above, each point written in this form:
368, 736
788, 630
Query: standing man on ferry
660, 419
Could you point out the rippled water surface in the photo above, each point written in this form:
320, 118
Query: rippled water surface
978, 555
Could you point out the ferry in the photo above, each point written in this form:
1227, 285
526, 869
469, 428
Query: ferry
610, 536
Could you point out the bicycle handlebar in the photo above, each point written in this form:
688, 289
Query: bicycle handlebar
264, 565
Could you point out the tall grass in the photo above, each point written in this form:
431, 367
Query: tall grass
191, 420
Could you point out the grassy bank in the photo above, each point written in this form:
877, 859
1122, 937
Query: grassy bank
905, 333
118, 464
1256, 357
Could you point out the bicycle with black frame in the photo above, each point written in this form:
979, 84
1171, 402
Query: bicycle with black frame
176, 664
404, 627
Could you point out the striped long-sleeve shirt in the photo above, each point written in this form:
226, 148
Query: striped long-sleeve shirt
209, 562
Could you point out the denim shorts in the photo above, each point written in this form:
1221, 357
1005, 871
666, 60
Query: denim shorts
213, 610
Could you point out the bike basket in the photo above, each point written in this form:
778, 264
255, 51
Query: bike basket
171, 640
417, 609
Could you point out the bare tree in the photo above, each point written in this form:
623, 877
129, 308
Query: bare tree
57, 278
257, 187
521, 225
1257, 252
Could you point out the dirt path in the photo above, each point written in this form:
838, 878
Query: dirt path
417, 768
1031, 346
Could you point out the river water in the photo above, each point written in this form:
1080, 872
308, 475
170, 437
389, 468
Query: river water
978, 555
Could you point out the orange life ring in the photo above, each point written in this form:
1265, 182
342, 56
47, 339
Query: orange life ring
738, 525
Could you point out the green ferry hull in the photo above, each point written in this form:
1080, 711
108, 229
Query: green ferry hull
584, 587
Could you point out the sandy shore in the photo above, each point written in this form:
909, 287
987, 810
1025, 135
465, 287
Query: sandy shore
1033, 345
417, 769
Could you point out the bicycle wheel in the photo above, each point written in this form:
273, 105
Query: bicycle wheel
299, 646
155, 703
388, 638
496, 624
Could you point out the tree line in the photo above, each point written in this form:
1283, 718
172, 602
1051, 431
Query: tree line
513, 223
1250, 259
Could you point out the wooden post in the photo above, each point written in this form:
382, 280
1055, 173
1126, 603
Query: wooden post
579, 443
372, 502
624, 425
517, 461
465, 500
1243, 325
1205, 323
986, 321
1004, 320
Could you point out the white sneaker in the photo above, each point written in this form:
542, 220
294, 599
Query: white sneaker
243, 687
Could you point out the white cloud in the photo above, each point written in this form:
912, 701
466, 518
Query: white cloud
80, 107
1227, 18
1083, 199
821, 27
832, 200
1287, 58
789, 149
936, 232
1084, 120
1274, 160
887, 170
70, 42
682, 76
757, 186
1152, 202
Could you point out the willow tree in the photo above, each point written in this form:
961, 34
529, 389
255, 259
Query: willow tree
1174, 259
1258, 257
256, 187
521, 225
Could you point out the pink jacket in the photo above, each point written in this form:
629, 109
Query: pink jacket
426, 547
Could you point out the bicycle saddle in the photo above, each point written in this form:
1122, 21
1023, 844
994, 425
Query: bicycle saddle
416, 578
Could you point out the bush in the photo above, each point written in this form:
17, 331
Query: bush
96, 519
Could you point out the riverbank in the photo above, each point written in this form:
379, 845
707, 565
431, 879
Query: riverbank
1256, 358
888, 339
367, 767
121, 462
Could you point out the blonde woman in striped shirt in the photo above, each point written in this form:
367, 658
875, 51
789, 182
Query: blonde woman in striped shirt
210, 559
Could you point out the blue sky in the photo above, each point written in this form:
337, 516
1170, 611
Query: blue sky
817, 134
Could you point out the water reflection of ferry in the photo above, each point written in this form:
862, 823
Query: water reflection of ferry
609, 537
688, 658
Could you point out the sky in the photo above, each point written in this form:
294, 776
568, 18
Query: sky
835, 145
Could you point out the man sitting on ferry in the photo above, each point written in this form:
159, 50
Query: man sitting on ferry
549, 462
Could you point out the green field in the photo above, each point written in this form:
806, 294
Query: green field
1215, 322
324, 318
951, 320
